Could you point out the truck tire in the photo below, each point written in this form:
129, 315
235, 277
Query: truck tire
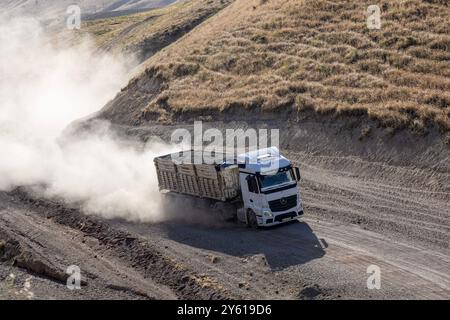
252, 222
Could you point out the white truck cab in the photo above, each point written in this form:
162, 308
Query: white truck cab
269, 186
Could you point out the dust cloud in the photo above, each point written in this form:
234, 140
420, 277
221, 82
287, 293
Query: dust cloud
44, 86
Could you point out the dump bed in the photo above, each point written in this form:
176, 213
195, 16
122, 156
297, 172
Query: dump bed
219, 181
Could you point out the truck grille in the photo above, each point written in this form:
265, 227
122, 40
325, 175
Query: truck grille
283, 216
283, 203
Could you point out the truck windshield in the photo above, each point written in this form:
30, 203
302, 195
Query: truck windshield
276, 179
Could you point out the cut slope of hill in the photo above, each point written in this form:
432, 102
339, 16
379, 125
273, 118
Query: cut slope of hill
292, 57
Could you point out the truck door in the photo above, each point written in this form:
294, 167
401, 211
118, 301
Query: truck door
250, 192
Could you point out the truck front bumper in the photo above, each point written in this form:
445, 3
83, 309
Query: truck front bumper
280, 218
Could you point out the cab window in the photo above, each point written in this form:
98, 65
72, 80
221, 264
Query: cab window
252, 184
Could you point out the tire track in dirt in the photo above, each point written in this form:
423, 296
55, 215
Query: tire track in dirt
376, 203
295, 259
414, 268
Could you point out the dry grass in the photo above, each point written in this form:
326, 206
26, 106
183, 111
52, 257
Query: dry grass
150, 30
317, 55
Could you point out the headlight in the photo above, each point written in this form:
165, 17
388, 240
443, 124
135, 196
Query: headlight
267, 214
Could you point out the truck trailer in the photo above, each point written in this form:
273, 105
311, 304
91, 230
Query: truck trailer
260, 188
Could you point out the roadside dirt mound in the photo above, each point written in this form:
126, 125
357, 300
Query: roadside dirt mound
20, 254
124, 250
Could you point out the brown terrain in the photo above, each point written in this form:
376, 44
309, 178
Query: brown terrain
365, 114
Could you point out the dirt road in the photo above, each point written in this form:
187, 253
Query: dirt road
357, 214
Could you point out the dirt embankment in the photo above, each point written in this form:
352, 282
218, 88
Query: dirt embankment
45, 237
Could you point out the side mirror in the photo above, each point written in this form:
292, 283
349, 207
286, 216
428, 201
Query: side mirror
297, 174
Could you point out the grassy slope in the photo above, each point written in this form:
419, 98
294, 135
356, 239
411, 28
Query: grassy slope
293, 55
147, 32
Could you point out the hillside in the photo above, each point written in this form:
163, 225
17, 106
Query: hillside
292, 57
147, 32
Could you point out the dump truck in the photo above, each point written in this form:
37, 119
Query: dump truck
259, 188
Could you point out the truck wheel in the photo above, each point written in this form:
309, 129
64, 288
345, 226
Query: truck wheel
251, 219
